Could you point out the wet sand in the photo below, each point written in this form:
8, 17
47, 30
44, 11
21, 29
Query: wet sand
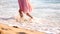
6, 29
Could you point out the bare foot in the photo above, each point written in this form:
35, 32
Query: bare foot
20, 19
30, 20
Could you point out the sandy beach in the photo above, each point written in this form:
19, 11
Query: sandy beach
6, 29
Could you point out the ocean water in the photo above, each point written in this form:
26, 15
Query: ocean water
45, 9
49, 9
40, 7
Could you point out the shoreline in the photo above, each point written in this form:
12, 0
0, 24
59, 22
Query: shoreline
5, 29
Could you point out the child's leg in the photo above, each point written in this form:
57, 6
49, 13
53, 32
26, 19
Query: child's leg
21, 14
31, 18
29, 15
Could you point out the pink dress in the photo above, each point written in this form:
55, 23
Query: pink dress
25, 6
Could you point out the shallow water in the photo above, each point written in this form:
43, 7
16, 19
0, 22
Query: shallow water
43, 9
48, 9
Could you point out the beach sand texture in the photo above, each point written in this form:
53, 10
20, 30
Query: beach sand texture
5, 29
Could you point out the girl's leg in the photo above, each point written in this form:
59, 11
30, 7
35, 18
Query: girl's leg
29, 15
21, 14
31, 18
20, 18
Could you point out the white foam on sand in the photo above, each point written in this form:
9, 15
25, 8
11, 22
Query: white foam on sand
38, 24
